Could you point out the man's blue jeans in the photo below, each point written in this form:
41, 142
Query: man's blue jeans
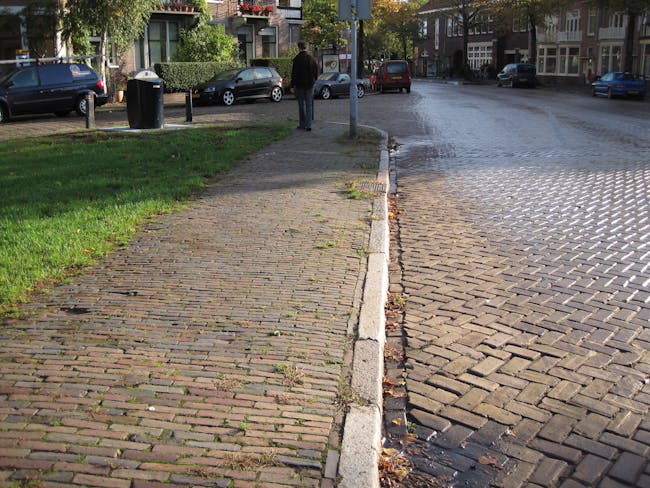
305, 97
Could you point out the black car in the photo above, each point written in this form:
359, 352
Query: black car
330, 85
517, 74
240, 84
58, 88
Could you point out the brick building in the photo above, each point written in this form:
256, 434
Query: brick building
264, 28
573, 46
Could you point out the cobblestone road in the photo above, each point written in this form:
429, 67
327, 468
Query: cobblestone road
521, 249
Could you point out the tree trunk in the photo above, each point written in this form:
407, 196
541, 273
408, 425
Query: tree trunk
467, 72
532, 40
629, 42
103, 41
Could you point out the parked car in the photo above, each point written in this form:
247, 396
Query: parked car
58, 88
619, 84
394, 75
330, 85
232, 85
517, 74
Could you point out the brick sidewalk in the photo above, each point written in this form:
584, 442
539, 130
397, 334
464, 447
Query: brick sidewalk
214, 350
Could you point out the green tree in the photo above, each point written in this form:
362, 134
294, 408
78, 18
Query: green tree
121, 20
404, 25
532, 11
206, 42
322, 27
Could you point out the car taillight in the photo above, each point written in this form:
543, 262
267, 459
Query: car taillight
100, 85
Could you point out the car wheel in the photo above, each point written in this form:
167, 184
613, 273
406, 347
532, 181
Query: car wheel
408, 89
4, 114
361, 91
593, 92
228, 98
326, 93
276, 94
81, 106
609, 93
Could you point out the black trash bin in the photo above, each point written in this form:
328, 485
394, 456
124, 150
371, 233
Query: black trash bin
144, 100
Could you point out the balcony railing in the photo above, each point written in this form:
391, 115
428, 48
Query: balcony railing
547, 37
611, 33
569, 36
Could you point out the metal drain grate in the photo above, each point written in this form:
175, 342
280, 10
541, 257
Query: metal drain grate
371, 186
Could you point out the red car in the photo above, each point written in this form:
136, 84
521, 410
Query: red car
394, 75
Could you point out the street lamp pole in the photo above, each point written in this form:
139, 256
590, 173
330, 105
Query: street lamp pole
354, 99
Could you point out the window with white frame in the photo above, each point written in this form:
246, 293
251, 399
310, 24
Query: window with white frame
547, 60
617, 19
479, 54
591, 21
158, 44
424, 28
569, 60
610, 58
453, 26
572, 21
482, 25
550, 24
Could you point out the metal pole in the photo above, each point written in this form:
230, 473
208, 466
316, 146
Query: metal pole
188, 106
353, 73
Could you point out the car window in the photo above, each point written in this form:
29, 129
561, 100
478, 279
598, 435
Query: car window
25, 78
395, 68
526, 68
247, 75
224, 75
344, 78
262, 73
328, 76
55, 74
608, 77
81, 71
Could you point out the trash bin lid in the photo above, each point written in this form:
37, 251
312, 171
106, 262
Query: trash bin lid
146, 74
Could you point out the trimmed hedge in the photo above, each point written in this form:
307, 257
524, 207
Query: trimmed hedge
282, 66
183, 76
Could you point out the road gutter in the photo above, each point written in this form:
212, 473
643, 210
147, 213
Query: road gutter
361, 446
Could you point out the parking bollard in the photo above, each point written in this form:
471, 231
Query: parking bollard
90, 110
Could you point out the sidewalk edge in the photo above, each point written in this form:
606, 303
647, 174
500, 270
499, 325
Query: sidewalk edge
361, 446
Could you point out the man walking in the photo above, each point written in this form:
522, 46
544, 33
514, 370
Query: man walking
304, 72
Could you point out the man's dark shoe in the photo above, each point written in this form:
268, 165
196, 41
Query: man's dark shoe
308, 129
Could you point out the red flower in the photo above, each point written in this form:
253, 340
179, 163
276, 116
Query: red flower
256, 9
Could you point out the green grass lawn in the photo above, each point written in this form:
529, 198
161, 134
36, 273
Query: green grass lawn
65, 201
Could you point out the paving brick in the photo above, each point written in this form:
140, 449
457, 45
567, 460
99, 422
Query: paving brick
628, 467
556, 450
591, 469
497, 414
548, 472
